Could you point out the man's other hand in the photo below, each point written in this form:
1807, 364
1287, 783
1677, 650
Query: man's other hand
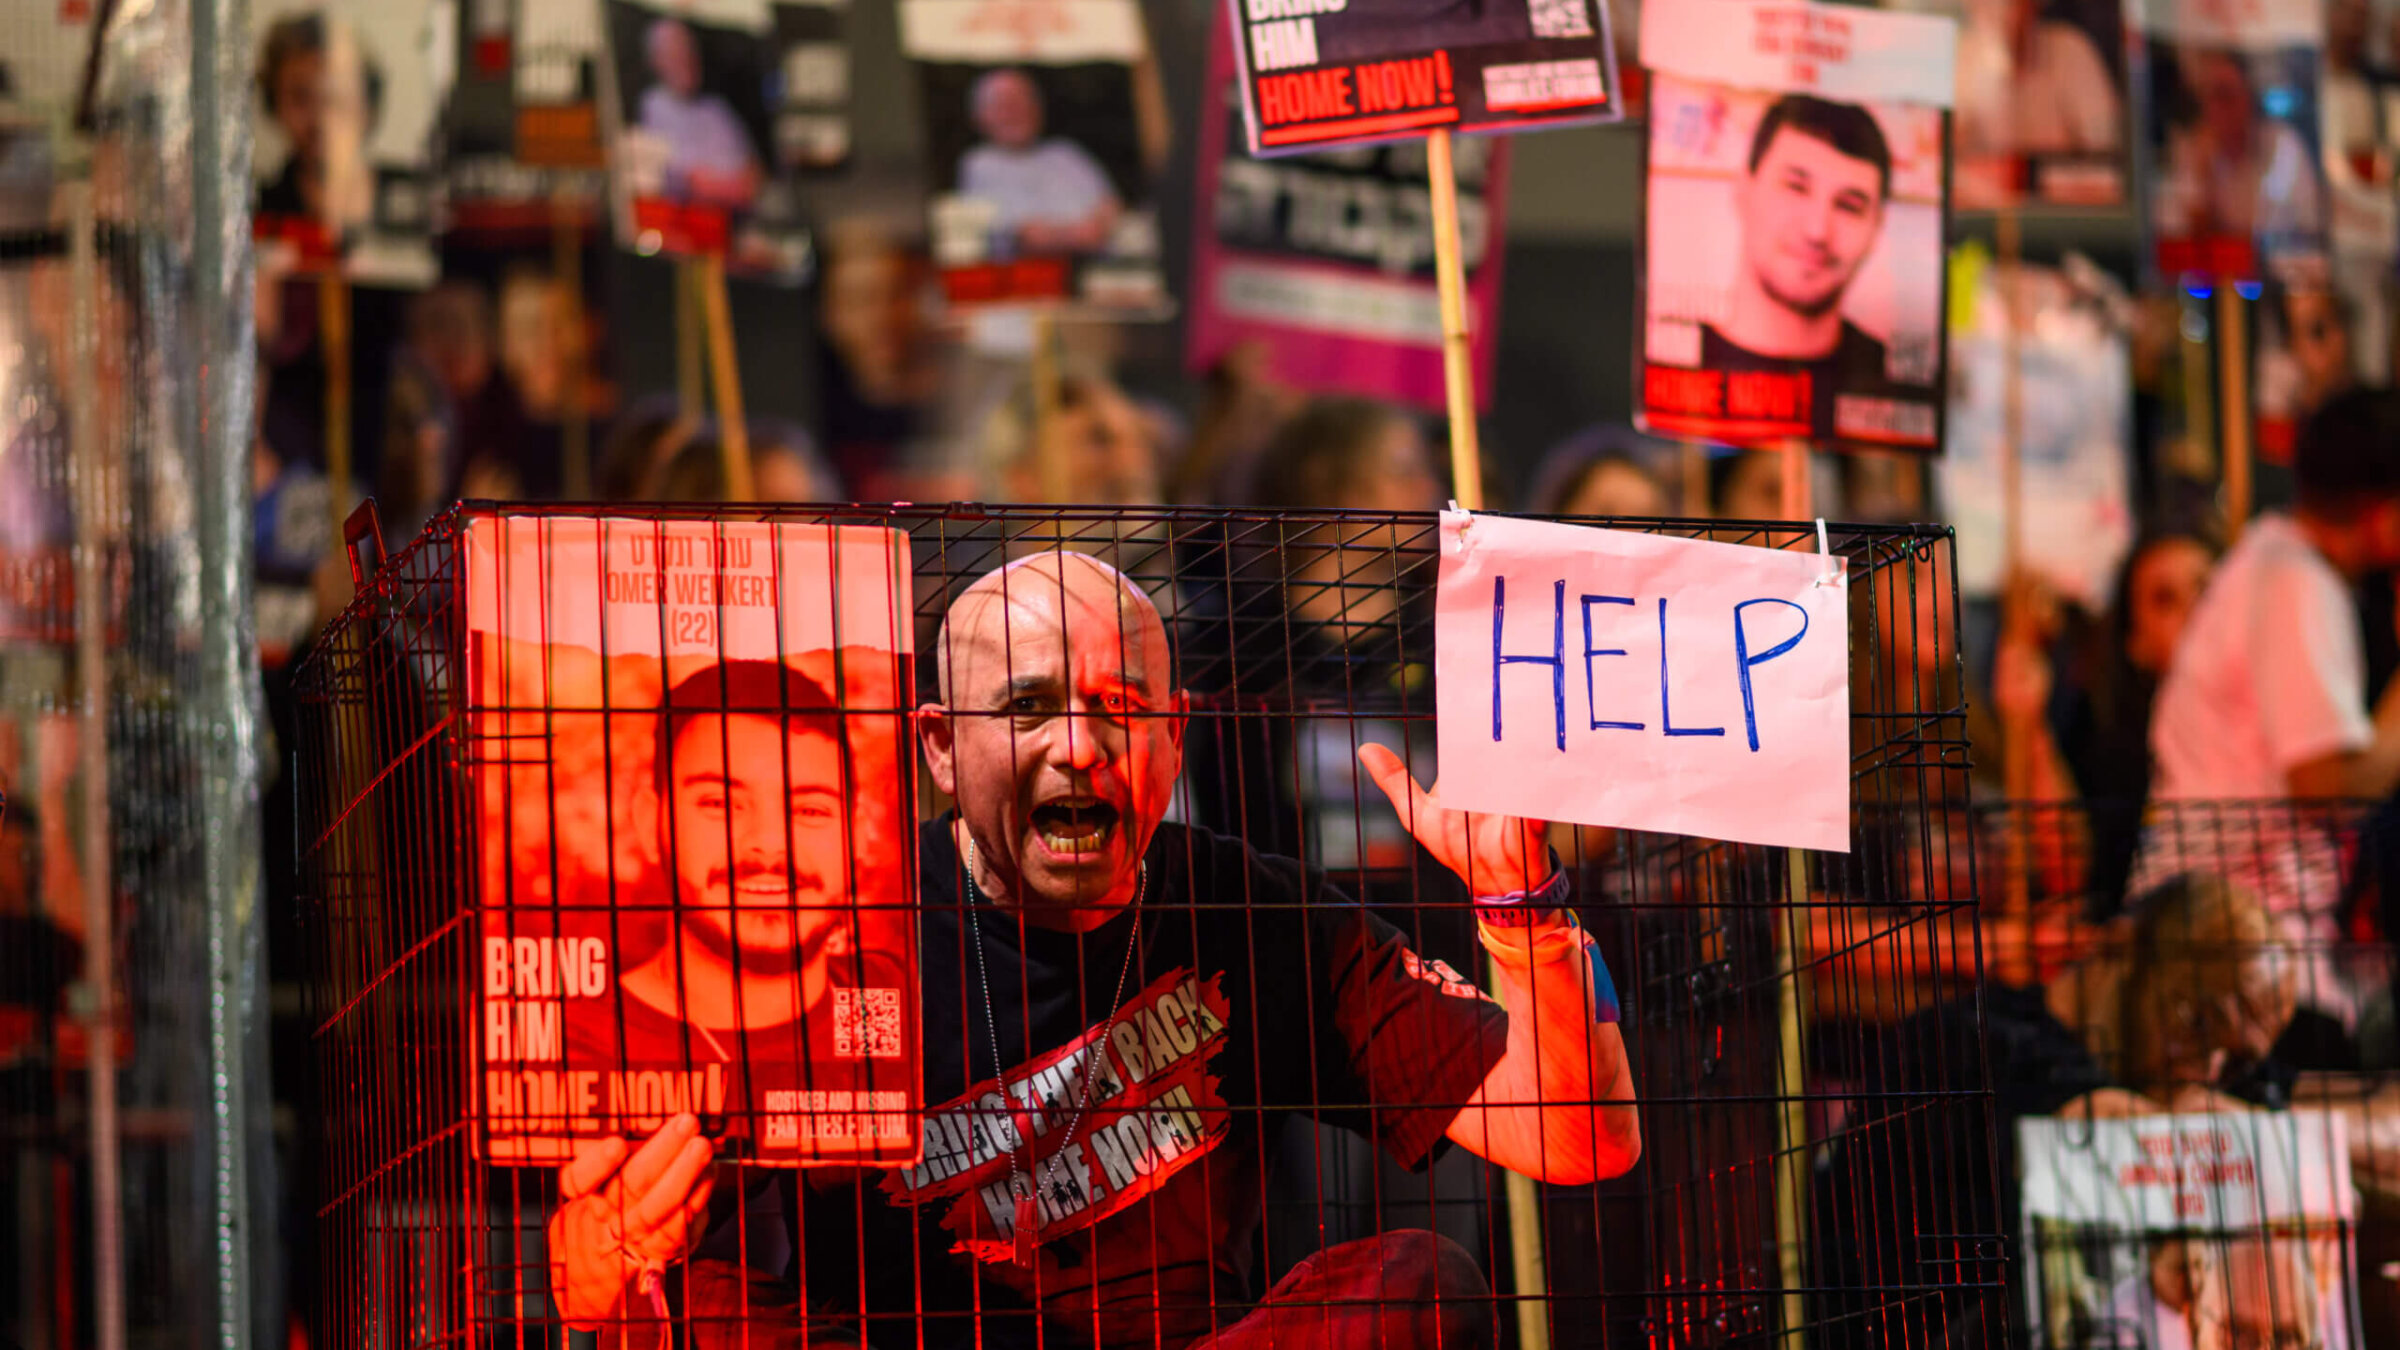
1494, 855
622, 1215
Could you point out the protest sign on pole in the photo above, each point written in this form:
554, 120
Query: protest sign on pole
1793, 279
1316, 74
1327, 260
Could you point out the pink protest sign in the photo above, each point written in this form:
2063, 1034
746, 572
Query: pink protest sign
1327, 259
1645, 682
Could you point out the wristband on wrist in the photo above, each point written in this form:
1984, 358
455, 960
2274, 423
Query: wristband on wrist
1520, 909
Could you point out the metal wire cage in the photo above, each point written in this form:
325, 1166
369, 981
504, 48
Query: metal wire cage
1811, 1171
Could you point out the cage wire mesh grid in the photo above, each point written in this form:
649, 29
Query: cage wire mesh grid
1784, 1131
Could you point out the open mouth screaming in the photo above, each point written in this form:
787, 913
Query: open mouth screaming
1076, 826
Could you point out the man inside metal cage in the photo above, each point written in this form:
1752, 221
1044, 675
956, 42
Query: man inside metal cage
1157, 1000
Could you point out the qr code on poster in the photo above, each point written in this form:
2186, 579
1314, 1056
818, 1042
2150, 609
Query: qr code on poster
866, 1023
1561, 18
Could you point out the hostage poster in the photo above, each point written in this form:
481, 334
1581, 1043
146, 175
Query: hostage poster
349, 97
696, 99
2189, 1230
1044, 131
693, 810
1793, 260
1326, 260
1321, 73
2239, 191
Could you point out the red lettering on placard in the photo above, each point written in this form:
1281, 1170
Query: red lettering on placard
1698, 392
1388, 86
1761, 394
1307, 96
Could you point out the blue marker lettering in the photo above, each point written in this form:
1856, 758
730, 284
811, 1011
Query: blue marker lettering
1743, 658
1556, 660
1665, 714
1590, 651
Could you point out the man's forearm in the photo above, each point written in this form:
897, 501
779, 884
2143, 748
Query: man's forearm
1558, 1106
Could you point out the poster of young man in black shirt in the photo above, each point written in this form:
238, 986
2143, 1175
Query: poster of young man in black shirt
1122, 1013
1782, 359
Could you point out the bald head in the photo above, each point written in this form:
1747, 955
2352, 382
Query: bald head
1046, 595
1059, 733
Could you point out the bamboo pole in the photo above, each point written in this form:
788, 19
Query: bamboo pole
1791, 1119
1458, 365
95, 508
333, 341
1526, 1258
2233, 410
691, 395
733, 428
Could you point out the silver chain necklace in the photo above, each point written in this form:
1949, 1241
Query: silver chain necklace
1027, 1221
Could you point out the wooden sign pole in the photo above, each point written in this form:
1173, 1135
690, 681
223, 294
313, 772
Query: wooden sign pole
690, 366
1791, 1118
333, 341
733, 428
1526, 1259
1458, 365
2233, 413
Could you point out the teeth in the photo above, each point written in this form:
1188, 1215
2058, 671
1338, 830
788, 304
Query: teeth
1079, 844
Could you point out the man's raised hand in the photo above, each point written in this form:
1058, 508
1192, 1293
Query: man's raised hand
1494, 855
622, 1215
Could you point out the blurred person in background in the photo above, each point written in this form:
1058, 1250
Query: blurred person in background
2266, 699
2179, 1009
784, 467
1746, 485
2089, 742
1094, 448
1606, 471
1244, 405
880, 373
647, 438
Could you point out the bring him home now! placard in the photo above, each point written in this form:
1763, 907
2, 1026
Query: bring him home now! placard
1641, 681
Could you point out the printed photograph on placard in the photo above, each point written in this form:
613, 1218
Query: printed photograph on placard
348, 96
2238, 189
1317, 75
1339, 299
2189, 1230
694, 818
2042, 108
1793, 268
691, 126
1037, 146
2312, 342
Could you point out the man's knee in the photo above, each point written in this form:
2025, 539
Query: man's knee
1448, 1301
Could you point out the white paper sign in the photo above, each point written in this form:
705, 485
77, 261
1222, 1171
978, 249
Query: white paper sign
1611, 678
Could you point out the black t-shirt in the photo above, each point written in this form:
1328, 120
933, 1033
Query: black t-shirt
1852, 395
1256, 992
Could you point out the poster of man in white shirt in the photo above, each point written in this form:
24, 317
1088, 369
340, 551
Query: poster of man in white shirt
2041, 104
692, 104
2240, 191
1042, 143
